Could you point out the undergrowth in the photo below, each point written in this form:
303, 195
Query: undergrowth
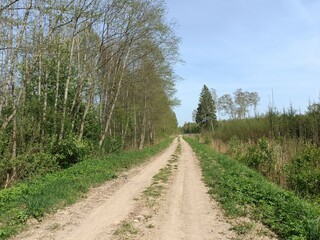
244, 192
34, 198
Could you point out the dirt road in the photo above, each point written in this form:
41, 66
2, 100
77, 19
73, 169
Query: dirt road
189, 213
184, 211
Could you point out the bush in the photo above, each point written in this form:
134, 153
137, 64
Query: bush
235, 148
261, 157
113, 145
35, 164
70, 151
303, 173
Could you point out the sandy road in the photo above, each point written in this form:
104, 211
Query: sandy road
186, 212
189, 212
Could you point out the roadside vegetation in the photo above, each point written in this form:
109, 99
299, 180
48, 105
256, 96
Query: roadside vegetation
35, 198
244, 192
284, 146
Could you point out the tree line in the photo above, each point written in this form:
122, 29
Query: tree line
234, 107
281, 145
88, 72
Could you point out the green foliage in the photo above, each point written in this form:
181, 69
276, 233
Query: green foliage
57, 90
44, 194
303, 173
112, 145
70, 150
286, 135
190, 128
245, 129
206, 111
261, 157
235, 148
242, 191
238, 106
35, 164
242, 228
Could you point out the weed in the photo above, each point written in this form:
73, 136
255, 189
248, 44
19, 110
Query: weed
149, 226
163, 174
154, 190
242, 228
126, 229
161, 178
54, 226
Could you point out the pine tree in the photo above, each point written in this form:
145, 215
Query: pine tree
206, 112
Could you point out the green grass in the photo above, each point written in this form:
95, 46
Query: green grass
242, 191
160, 180
126, 230
56, 190
242, 228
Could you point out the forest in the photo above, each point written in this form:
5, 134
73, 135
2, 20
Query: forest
83, 76
282, 145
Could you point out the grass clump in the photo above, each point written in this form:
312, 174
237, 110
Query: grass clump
160, 180
242, 228
41, 195
242, 191
126, 230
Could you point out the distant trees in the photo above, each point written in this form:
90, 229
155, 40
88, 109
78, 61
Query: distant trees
238, 106
190, 127
206, 111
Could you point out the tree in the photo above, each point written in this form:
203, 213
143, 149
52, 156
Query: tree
86, 70
206, 111
239, 106
227, 106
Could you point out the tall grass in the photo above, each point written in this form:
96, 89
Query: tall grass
41, 195
244, 192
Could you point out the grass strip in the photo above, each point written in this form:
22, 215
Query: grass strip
42, 195
160, 180
244, 192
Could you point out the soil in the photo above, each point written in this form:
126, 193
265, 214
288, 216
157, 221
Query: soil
118, 209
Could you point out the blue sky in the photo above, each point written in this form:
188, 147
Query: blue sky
266, 46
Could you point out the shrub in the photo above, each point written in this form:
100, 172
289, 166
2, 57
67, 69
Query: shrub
113, 145
261, 157
303, 173
35, 164
235, 148
70, 151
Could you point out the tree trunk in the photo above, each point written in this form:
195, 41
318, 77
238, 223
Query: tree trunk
144, 123
66, 89
114, 101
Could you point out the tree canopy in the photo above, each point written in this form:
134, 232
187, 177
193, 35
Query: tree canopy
238, 106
